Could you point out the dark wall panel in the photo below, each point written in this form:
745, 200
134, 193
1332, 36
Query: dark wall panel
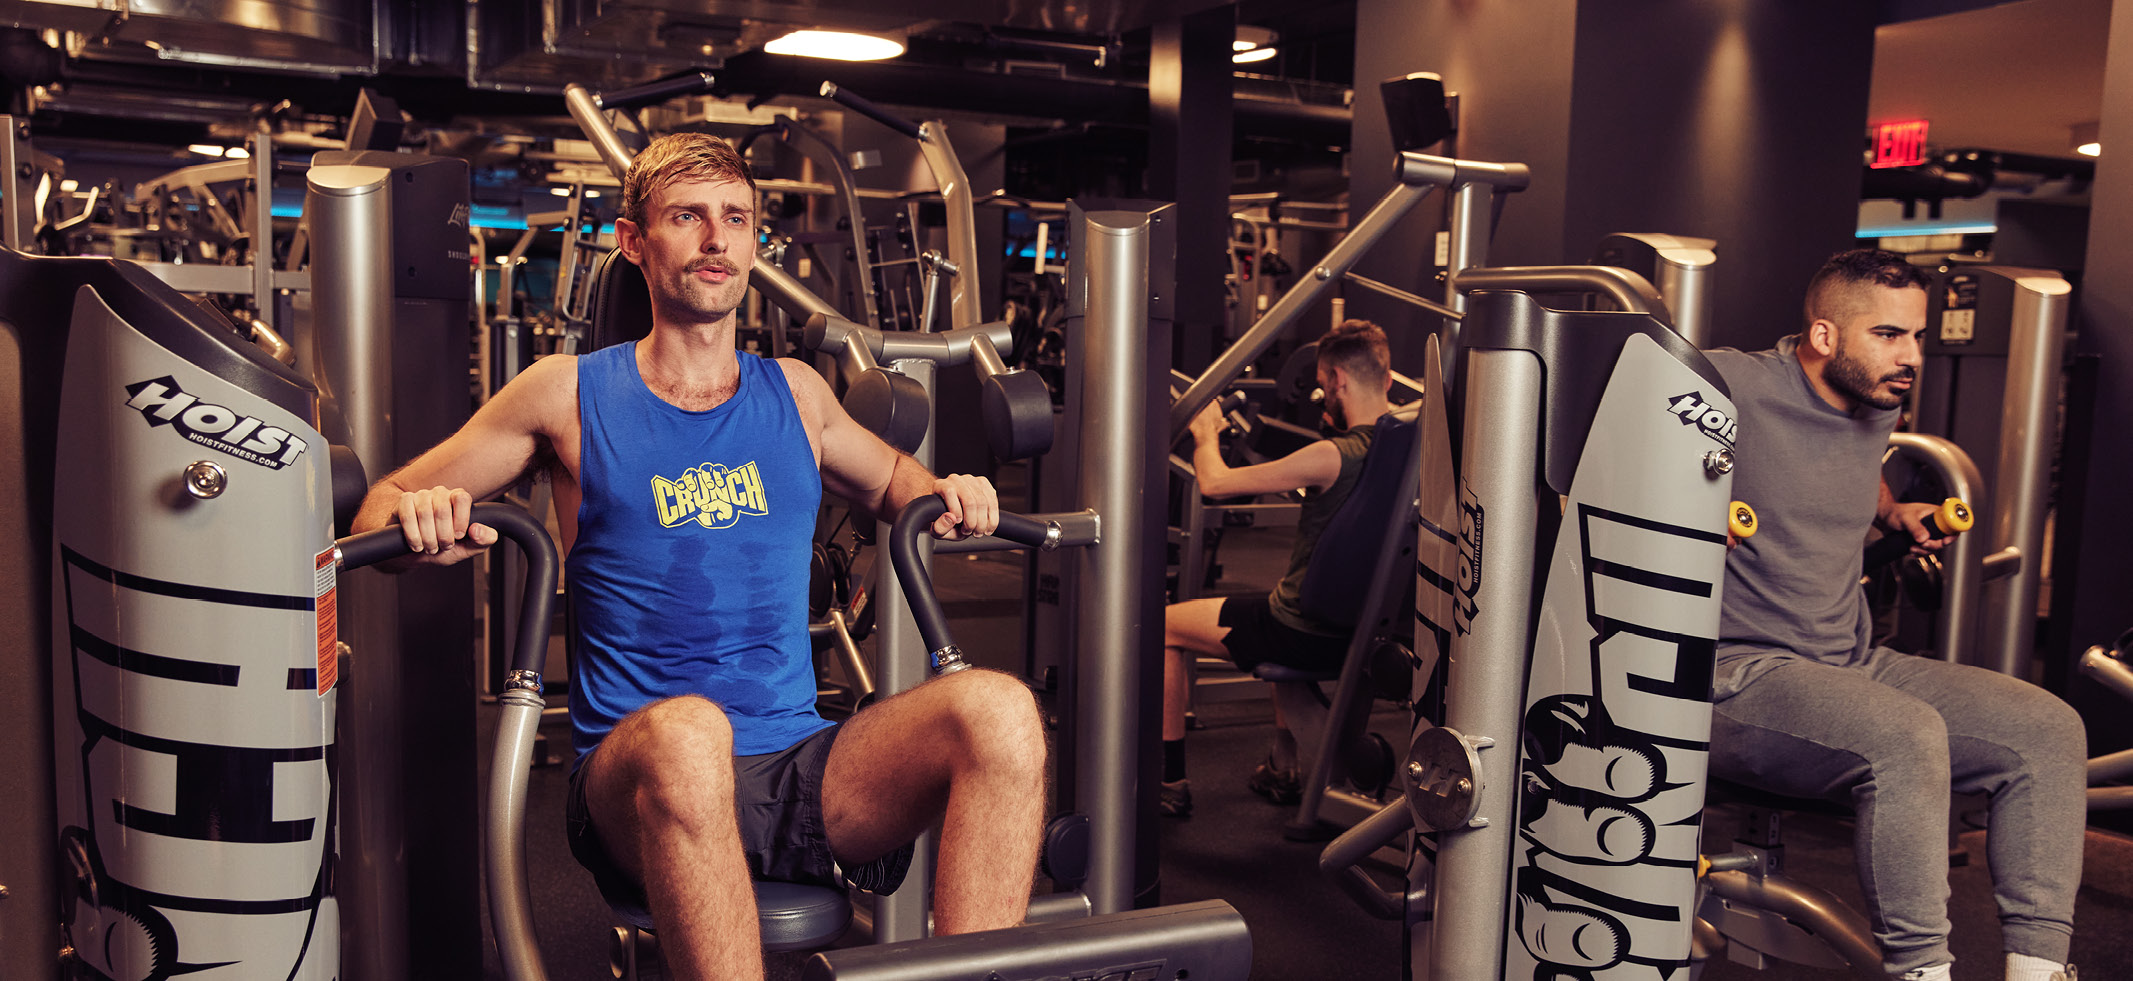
1739, 122
1510, 64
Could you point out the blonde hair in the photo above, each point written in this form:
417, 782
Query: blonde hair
678, 157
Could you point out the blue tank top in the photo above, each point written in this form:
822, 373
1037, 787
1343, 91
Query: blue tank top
689, 574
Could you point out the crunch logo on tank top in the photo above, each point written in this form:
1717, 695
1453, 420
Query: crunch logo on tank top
711, 494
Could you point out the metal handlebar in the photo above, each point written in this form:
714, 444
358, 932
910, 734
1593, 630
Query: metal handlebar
651, 93
1628, 290
904, 536
510, 899
867, 108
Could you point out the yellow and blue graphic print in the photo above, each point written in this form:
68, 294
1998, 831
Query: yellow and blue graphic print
711, 495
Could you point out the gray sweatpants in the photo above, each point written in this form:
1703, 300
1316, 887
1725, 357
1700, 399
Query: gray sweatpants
1892, 736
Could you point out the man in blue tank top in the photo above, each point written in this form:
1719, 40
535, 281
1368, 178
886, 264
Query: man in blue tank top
687, 477
1806, 705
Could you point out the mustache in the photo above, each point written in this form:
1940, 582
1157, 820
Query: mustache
1901, 374
719, 264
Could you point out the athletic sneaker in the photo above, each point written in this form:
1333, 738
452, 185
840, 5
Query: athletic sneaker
1283, 787
1175, 801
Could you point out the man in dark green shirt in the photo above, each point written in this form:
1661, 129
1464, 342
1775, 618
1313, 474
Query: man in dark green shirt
1354, 370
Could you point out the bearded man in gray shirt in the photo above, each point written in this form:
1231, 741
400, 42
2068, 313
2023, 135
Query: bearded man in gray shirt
1807, 706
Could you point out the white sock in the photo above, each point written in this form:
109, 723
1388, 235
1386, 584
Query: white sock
2022, 967
1938, 972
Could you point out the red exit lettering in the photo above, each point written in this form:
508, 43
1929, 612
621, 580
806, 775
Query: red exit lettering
1900, 144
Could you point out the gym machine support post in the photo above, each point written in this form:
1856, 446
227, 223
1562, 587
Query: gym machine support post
1678, 266
390, 285
2001, 329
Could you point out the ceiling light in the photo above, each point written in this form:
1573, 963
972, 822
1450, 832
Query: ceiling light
2083, 138
69, 185
839, 45
561, 192
206, 149
1255, 54
238, 153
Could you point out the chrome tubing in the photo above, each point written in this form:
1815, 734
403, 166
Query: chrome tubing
1218, 376
1956, 626
2028, 436
1499, 478
1113, 582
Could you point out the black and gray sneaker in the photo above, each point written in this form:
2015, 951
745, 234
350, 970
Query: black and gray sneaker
1175, 800
1282, 787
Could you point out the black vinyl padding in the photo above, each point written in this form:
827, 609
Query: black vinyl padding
1338, 577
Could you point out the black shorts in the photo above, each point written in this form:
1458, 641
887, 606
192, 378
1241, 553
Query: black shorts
1255, 638
782, 832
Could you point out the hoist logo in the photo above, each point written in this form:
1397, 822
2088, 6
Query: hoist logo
163, 403
711, 495
1708, 418
459, 215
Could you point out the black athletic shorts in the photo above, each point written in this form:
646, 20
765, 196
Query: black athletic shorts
782, 831
1255, 638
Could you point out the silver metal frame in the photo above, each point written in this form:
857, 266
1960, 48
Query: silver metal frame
1474, 185
2028, 437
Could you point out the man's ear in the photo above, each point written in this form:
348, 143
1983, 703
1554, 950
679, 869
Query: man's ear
630, 239
1821, 337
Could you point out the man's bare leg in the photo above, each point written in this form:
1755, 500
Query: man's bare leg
968, 750
1190, 629
661, 793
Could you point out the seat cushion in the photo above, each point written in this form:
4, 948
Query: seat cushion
797, 917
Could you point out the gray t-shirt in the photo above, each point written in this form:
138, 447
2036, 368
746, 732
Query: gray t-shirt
1812, 473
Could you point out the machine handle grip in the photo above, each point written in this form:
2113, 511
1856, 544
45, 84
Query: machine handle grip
373, 547
652, 93
904, 535
1953, 518
867, 108
1740, 520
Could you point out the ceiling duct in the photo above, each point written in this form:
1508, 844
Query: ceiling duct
315, 36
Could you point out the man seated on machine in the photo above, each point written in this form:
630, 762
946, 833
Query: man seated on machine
1808, 706
1354, 371
687, 478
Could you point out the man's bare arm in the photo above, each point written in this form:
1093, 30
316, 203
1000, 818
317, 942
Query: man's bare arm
858, 467
1316, 466
431, 496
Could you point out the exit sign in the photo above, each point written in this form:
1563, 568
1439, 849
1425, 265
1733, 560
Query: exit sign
1900, 144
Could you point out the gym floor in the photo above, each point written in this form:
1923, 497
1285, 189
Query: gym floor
1232, 849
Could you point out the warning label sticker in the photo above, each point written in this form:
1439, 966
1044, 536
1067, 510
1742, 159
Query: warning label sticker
326, 577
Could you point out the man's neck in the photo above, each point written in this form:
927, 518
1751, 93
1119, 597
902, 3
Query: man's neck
1366, 413
692, 367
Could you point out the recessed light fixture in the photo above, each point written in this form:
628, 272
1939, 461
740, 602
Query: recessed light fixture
1253, 44
2084, 139
206, 149
238, 153
838, 45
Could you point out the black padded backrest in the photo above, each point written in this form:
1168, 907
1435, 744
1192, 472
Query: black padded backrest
1337, 580
621, 305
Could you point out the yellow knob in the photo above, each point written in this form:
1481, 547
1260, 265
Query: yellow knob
1955, 516
1740, 520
